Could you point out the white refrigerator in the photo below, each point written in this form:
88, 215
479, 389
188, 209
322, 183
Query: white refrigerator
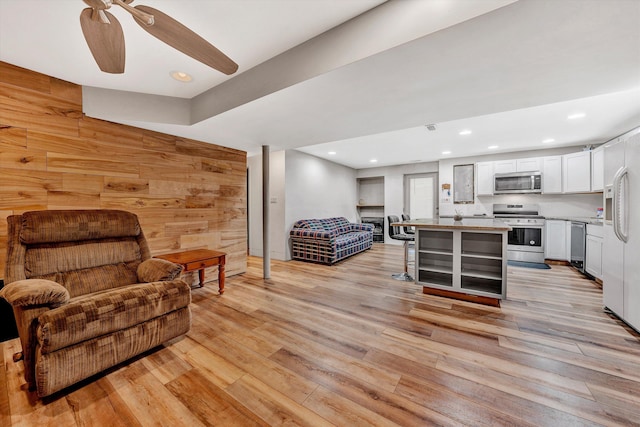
621, 251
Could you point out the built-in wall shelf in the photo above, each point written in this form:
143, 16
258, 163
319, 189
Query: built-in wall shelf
371, 192
371, 204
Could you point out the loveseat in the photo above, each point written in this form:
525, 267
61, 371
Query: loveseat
329, 240
87, 295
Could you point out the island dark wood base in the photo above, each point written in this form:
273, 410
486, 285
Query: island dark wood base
494, 302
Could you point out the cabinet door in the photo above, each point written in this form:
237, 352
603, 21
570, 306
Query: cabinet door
597, 169
504, 166
555, 246
576, 168
552, 174
484, 178
532, 164
593, 256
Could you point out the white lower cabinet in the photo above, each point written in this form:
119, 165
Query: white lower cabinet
557, 244
593, 254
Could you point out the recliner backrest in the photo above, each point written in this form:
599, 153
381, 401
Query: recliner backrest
84, 250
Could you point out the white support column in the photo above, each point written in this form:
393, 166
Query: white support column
266, 247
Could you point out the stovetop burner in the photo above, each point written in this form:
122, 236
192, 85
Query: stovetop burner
519, 213
518, 216
516, 211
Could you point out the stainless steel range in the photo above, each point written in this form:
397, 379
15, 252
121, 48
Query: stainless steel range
526, 239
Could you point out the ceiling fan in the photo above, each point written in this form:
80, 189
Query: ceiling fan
105, 37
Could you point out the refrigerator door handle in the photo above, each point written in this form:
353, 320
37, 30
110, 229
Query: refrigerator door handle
618, 200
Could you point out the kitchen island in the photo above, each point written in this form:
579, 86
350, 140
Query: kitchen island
461, 259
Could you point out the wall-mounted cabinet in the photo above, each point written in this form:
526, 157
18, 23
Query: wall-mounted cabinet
504, 166
532, 164
576, 176
597, 169
484, 178
552, 174
580, 172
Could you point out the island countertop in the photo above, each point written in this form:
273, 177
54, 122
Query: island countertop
449, 223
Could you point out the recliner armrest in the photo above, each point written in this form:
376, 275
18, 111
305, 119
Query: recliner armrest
158, 270
33, 292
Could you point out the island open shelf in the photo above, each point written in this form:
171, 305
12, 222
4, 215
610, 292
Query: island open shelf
462, 259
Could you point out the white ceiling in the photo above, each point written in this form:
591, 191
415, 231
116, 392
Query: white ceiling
359, 77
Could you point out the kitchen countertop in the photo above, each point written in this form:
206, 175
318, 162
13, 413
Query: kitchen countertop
490, 224
585, 219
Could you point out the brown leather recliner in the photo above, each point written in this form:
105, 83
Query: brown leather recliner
87, 295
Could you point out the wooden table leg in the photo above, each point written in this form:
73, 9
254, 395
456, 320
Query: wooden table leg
201, 276
221, 275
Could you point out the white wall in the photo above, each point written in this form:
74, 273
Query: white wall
301, 186
550, 204
394, 188
317, 188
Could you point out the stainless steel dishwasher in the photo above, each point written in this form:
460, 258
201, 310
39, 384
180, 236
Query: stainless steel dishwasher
578, 237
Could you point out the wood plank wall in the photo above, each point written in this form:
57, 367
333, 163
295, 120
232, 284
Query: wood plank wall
188, 194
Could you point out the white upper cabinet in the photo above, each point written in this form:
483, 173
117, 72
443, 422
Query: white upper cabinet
533, 164
504, 166
581, 172
552, 174
484, 178
576, 177
597, 169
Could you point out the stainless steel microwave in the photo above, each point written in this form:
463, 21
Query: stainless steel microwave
517, 182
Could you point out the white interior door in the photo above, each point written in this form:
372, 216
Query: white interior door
421, 199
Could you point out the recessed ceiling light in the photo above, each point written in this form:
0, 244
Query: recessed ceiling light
465, 132
492, 147
373, 161
181, 76
548, 140
331, 153
576, 116
446, 152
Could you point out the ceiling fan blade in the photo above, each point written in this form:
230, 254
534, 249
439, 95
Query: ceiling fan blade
106, 41
186, 41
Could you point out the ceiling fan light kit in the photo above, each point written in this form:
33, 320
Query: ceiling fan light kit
105, 37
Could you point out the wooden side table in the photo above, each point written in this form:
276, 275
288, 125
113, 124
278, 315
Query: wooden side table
199, 259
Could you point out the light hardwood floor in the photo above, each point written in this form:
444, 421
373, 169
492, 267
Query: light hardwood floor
348, 346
